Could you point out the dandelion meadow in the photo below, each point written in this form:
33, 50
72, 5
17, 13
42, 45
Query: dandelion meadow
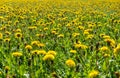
59, 39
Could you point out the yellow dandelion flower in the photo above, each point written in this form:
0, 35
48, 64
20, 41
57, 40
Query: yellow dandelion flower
91, 25
52, 52
41, 45
81, 27
1, 35
68, 25
18, 30
54, 32
106, 37
0, 72
54, 75
3, 28
75, 34
118, 45
101, 35
78, 42
17, 54
86, 33
104, 48
34, 52
18, 35
48, 57
77, 45
59, 25
65, 18
116, 50
45, 29
93, 73
106, 55
7, 68
111, 42
40, 35
32, 27
7, 32
37, 35
6, 39
80, 46
1, 17
70, 63
88, 30
84, 46
35, 42
73, 51
90, 36
43, 52
29, 47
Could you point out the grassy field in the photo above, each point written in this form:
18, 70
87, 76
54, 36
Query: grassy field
59, 39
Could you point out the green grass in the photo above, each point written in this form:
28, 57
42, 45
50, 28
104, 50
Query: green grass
80, 23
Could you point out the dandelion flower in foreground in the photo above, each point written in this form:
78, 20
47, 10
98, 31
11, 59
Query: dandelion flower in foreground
43, 52
6, 39
106, 55
18, 30
73, 51
1, 36
7, 33
54, 75
17, 54
41, 45
29, 47
7, 68
104, 48
35, 42
18, 35
81, 46
34, 52
116, 51
37, 52
70, 63
81, 27
93, 73
52, 52
106, 36
48, 57
110, 42
32, 27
